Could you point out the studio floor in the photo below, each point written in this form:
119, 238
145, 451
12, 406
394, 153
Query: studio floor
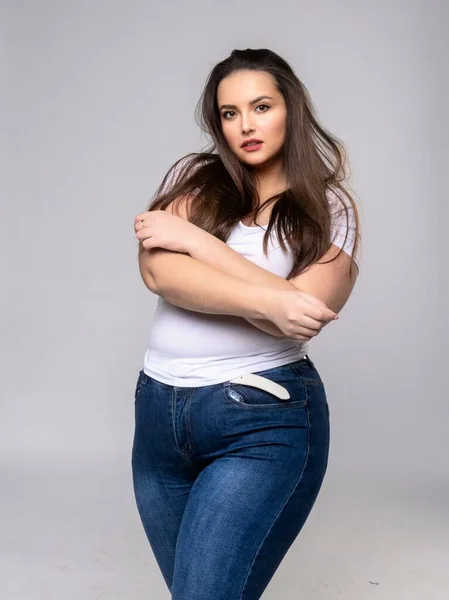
71, 531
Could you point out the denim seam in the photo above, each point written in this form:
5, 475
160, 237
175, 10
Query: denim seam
173, 412
188, 420
283, 506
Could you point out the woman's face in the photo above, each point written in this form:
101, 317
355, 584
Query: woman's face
251, 107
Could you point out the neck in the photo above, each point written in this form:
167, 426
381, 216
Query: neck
270, 180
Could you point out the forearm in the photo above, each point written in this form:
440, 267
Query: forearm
213, 252
191, 284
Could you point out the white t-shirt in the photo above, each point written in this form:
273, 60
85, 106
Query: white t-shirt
193, 349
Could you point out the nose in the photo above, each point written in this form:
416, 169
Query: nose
246, 131
246, 125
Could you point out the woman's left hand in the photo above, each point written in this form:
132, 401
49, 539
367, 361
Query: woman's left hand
160, 229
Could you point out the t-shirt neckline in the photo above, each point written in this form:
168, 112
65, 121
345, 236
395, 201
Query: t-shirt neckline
249, 228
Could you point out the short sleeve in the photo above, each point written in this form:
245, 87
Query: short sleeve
342, 226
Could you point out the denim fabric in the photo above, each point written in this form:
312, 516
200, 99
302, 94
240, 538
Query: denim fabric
225, 476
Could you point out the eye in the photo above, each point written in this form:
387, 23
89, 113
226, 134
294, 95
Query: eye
224, 113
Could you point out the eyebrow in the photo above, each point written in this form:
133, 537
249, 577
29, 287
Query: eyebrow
258, 99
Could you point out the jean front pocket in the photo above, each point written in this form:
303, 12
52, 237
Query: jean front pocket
249, 397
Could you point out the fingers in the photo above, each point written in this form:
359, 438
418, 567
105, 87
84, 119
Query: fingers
144, 217
138, 222
318, 309
309, 328
321, 315
304, 333
312, 324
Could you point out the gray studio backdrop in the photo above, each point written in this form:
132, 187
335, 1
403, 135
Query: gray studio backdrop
97, 102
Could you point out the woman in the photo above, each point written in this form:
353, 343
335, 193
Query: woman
251, 247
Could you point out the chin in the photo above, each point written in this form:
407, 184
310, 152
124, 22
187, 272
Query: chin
253, 157
256, 161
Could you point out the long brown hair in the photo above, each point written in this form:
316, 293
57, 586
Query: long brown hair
221, 190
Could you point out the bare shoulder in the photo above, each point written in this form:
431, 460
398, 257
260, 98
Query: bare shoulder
181, 206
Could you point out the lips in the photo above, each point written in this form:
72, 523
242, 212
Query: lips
246, 142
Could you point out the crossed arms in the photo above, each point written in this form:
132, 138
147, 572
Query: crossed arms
216, 279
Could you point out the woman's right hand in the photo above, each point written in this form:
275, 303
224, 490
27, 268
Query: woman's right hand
299, 315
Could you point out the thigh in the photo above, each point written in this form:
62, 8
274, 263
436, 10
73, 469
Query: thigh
248, 505
162, 477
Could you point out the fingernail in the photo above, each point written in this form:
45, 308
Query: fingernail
336, 317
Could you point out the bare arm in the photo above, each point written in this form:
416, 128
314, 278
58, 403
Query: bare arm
188, 283
332, 282
214, 252
221, 257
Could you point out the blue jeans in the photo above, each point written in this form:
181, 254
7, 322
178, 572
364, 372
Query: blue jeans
225, 476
